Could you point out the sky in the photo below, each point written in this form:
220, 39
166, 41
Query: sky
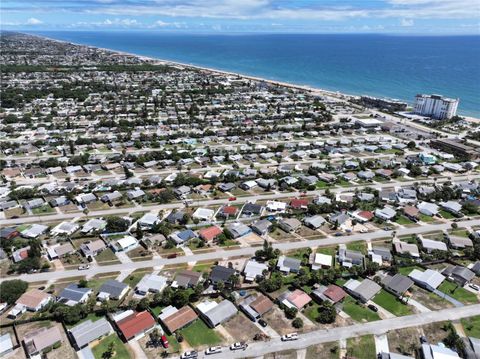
423, 17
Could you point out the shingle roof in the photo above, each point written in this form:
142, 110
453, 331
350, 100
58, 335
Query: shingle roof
89, 331
179, 319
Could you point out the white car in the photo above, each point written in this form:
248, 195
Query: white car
289, 337
189, 355
213, 350
238, 346
84, 267
474, 287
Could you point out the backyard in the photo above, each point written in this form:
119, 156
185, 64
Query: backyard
120, 350
197, 334
391, 303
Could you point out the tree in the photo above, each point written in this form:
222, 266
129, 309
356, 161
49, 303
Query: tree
11, 290
127, 172
181, 298
110, 352
290, 312
297, 323
326, 313
83, 283
143, 304
220, 286
117, 224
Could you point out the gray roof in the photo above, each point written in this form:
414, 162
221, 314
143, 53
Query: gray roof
459, 271
74, 292
290, 263
221, 313
314, 221
398, 283
262, 225
89, 331
113, 287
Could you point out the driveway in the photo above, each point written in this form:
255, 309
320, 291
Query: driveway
137, 350
447, 297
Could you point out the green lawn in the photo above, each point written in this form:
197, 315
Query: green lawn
359, 246
358, 312
459, 233
362, 347
472, 326
107, 256
203, 267
389, 302
157, 310
403, 220
133, 279
327, 250
406, 270
458, 293
425, 218
445, 214
121, 351
92, 316
198, 333
311, 312
42, 210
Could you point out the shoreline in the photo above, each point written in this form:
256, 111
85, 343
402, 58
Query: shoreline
336, 95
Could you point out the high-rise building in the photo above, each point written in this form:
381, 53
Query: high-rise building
435, 106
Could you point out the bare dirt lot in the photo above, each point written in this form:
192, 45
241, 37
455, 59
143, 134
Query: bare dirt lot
241, 328
276, 319
404, 341
428, 299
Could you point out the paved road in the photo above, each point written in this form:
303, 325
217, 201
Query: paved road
335, 334
246, 251
210, 202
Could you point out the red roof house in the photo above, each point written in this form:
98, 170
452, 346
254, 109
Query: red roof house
335, 293
136, 324
298, 298
299, 203
210, 233
228, 211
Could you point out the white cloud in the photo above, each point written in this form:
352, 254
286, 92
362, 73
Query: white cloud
34, 21
407, 22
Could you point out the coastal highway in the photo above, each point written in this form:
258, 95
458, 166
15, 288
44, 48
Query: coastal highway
245, 251
256, 349
210, 202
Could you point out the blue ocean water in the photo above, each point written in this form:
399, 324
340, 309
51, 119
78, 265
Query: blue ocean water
379, 65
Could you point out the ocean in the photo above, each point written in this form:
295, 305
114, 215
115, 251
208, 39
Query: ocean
378, 65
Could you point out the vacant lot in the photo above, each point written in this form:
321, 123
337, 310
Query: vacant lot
323, 351
429, 299
404, 341
276, 319
121, 351
155, 351
392, 304
434, 332
198, 334
107, 257
362, 347
241, 328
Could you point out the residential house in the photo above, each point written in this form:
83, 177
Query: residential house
187, 279
89, 331
124, 244
60, 251
459, 274
321, 261
64, 229
151, 283
290, 224
430, 245
182, 237
288, 264
364, 290
428, 279
221, 274
254, 270
34, 231
404, 248
254, 306
112, 289
397, 284
94, 225
73, 294
296, 299
349, 258
174, 319
148, 221
37, 341
216, 313
238, 229
261, 227
252, 209
91, 249
228, 211
32, 300
428, 209
314, 222
385, 213
209, 234
134, 325
333, 294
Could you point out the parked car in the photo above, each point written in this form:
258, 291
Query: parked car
474, 286
238, 346
84, 267
372, 307
423, 339
213, 350
262, 323
289, 337
164, 341
192, 354
232, 199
